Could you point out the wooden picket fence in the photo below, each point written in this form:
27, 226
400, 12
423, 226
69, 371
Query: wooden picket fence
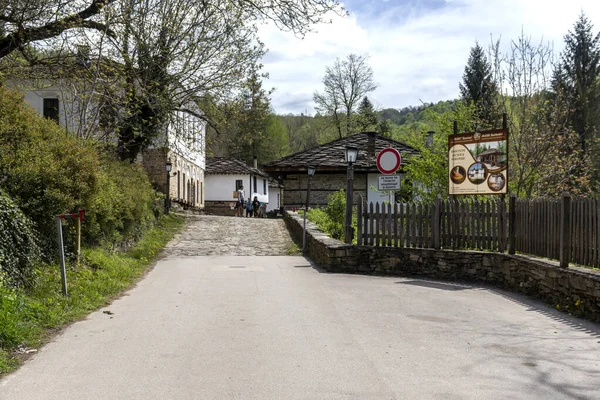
564, 229
538, 229
455, 224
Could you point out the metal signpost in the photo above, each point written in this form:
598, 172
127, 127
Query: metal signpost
61, 251
388, 162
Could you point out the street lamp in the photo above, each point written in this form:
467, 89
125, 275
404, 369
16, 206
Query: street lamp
168, 168
350, 156
311, 171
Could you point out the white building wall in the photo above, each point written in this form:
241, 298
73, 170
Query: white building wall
221, 187
70, 111
375, 196
275, 199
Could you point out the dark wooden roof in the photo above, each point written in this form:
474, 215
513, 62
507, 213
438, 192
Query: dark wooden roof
330, 156
230, 166
490, 151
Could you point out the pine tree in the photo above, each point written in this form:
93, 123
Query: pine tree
366, 119
577, 77
478, 86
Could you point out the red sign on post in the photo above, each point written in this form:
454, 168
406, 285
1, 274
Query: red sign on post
388, 161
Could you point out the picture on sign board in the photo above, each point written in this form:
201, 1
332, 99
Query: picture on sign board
478, 162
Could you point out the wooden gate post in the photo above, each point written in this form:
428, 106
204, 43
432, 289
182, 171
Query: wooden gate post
512, 221
437, 209
565, 231
502, 224
359, 220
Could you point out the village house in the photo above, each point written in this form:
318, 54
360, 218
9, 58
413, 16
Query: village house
182, 143
224, 176
492, 157
331, 170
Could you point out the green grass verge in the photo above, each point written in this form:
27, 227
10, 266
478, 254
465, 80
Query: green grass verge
29, 317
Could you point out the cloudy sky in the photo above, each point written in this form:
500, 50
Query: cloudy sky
417, 48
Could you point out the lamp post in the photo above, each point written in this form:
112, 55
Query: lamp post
351, 156
168, 167
311, 172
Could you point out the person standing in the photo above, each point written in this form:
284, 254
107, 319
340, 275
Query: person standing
240, 196
255, 205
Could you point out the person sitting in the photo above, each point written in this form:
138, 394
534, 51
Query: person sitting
262, 210
249, 207
255, 205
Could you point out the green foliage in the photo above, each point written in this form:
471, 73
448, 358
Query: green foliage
427, 174
26, 315
478, 86
46, 171
121, 209
332, 218
49, 172
366, 119
246, 128
18, 247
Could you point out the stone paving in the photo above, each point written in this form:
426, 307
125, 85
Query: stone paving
207, 235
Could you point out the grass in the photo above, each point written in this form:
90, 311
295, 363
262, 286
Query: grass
28, 318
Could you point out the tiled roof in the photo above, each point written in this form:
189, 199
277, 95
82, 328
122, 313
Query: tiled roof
330, 156
230, 166
490, 151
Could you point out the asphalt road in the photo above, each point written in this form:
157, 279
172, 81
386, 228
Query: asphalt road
274, 327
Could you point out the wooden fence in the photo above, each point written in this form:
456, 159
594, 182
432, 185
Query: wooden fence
456, 224
564, 229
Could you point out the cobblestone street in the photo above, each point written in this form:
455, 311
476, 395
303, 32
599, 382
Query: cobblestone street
207, 235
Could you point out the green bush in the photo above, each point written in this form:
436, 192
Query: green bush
48, 172
18, 248
332, 218
122, 208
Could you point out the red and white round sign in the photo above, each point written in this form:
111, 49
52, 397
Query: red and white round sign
388, 161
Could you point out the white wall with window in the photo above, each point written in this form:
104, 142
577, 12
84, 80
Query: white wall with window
220, 187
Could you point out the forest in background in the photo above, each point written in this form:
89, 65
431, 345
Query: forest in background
551, 100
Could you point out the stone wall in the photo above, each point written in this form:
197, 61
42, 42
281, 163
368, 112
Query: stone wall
574, 289
219, 208
321, 186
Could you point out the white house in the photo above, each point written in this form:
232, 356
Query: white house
183, 142
224, 176
275, 195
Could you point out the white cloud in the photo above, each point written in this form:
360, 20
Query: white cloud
417, 54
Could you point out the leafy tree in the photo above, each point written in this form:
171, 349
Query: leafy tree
345, 83
366, 118
167, 54
577, 77
247, 129
427, 174
24, 22
545, 158
478, 85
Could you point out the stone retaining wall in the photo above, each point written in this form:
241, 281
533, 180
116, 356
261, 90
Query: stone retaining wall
219, 208
576, 290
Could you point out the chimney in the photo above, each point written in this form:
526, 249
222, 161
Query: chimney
255, 162
429, 142
371, 144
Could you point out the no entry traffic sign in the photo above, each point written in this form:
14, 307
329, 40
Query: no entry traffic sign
388, 161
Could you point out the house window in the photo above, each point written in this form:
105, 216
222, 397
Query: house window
238, 184
201, 192
51, 109
178, 185
264, 186
255, 187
